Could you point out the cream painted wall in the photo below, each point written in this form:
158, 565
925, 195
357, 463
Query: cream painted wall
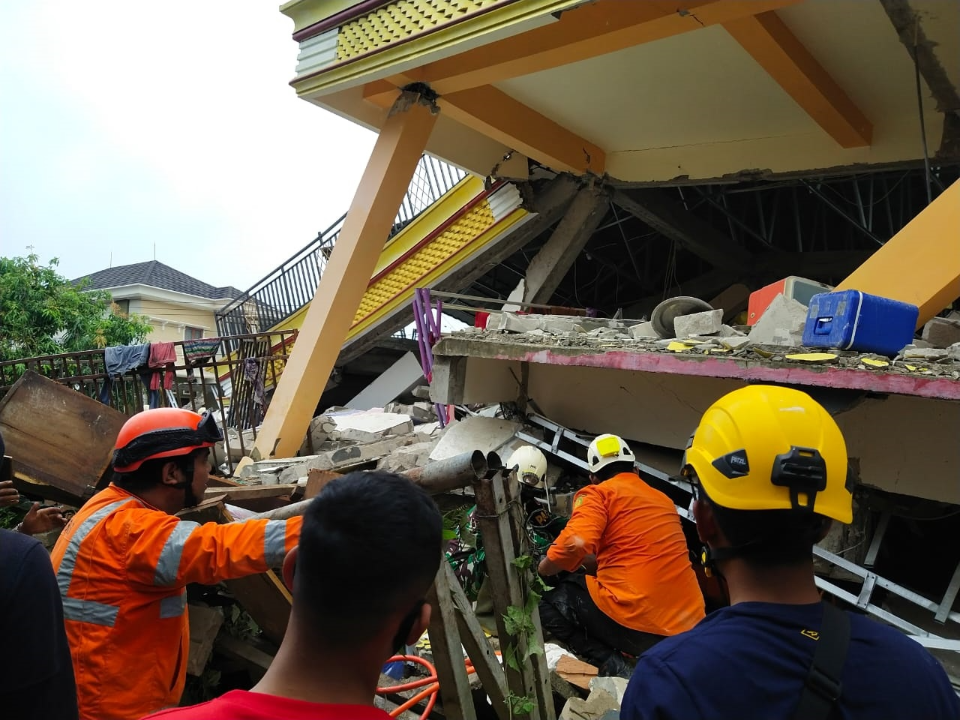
170, 320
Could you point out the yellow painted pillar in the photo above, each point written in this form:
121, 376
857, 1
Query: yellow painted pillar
399, 146
919, 265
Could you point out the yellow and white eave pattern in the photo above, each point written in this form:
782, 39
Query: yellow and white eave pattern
466, 221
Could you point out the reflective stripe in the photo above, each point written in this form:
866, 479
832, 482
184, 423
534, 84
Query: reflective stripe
89, 611
275, 542
169, 563
173, 605
69, 561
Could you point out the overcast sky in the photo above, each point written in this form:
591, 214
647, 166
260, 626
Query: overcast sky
126, 126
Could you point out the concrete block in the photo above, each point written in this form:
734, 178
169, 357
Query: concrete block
735, 342
703, 323
342, 457
423, 412
518, 323
912, 352
643, 330
614, 686
598, 706
727, 331
474, 433
941, 332
953, 352
781, 323
407, 457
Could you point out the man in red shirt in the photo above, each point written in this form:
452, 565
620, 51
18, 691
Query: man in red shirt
632, 582
350, 613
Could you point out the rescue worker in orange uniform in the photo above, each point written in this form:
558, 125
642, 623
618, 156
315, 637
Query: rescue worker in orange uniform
633, 583
124, 561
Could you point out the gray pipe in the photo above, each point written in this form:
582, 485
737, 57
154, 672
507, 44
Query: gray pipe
441, 476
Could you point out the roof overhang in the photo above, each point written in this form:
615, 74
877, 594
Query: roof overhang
149, 292
646, 92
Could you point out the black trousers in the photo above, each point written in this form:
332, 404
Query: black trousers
569, 614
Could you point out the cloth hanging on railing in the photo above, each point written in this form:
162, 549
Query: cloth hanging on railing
198, 352
253, 371
119, 359
163, 355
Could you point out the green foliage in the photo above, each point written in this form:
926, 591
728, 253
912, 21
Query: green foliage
518, 622
518, 704
45, 314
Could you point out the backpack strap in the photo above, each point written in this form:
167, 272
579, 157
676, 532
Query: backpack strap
823, 686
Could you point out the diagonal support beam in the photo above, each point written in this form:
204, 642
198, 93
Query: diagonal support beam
402, 140
771, 43
496, 115
554, 260
670, 219
584, 32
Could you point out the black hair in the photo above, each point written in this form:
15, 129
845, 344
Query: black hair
615, 468
150, 472
770, 538
370, 546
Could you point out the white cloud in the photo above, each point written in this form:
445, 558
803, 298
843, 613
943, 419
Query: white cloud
124, 126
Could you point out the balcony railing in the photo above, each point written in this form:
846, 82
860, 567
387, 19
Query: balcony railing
293, 284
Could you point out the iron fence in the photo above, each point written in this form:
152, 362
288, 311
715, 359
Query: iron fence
293, 284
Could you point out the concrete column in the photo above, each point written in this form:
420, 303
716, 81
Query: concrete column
556, 257
399, 146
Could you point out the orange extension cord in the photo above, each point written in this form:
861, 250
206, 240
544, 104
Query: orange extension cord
431, 684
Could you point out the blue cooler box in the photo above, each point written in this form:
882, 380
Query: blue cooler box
852, 320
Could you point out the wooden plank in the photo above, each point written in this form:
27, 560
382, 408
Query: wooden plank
447, 654
493, 519
58, 437
478, 647
264, 597
317, 480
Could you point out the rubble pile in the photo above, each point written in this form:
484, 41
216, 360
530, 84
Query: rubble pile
775, 338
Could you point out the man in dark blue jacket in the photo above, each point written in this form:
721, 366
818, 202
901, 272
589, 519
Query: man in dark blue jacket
769, 470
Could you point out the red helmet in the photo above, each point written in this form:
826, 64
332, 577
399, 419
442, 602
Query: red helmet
162, 433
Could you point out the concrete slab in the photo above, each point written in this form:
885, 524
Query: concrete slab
371, 426
474, 433
941, 332
399, 378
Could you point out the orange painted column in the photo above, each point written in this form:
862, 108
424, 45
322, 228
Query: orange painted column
919, 265
399, 146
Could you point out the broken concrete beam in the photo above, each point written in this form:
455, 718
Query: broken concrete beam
941, 332
702, 323
912, 352
320, 430
423, 412
343, 457
518, 323
560, 325
781, 323
407, 457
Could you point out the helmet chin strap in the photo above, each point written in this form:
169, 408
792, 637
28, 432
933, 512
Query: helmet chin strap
189, 497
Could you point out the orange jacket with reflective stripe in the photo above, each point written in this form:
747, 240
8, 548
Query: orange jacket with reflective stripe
644, 578
122, 567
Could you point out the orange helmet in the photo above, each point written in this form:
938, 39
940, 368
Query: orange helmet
162, 433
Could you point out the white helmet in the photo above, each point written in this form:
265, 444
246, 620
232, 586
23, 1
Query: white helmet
606, 449
530, 464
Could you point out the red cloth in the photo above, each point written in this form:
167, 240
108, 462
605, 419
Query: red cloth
243, 705
163, 355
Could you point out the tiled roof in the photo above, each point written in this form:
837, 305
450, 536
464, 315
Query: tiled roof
156, 274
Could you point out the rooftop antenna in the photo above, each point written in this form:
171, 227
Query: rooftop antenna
111, 258
154, 251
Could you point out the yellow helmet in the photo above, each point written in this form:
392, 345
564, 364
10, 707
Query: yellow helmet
771, 448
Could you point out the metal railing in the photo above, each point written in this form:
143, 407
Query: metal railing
292, 285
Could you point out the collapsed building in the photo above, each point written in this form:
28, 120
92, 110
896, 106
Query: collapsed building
625, 244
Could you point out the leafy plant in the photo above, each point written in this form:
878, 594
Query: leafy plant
46, 314
518, 622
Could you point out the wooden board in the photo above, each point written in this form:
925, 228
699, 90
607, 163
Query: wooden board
57, 438
239, 493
